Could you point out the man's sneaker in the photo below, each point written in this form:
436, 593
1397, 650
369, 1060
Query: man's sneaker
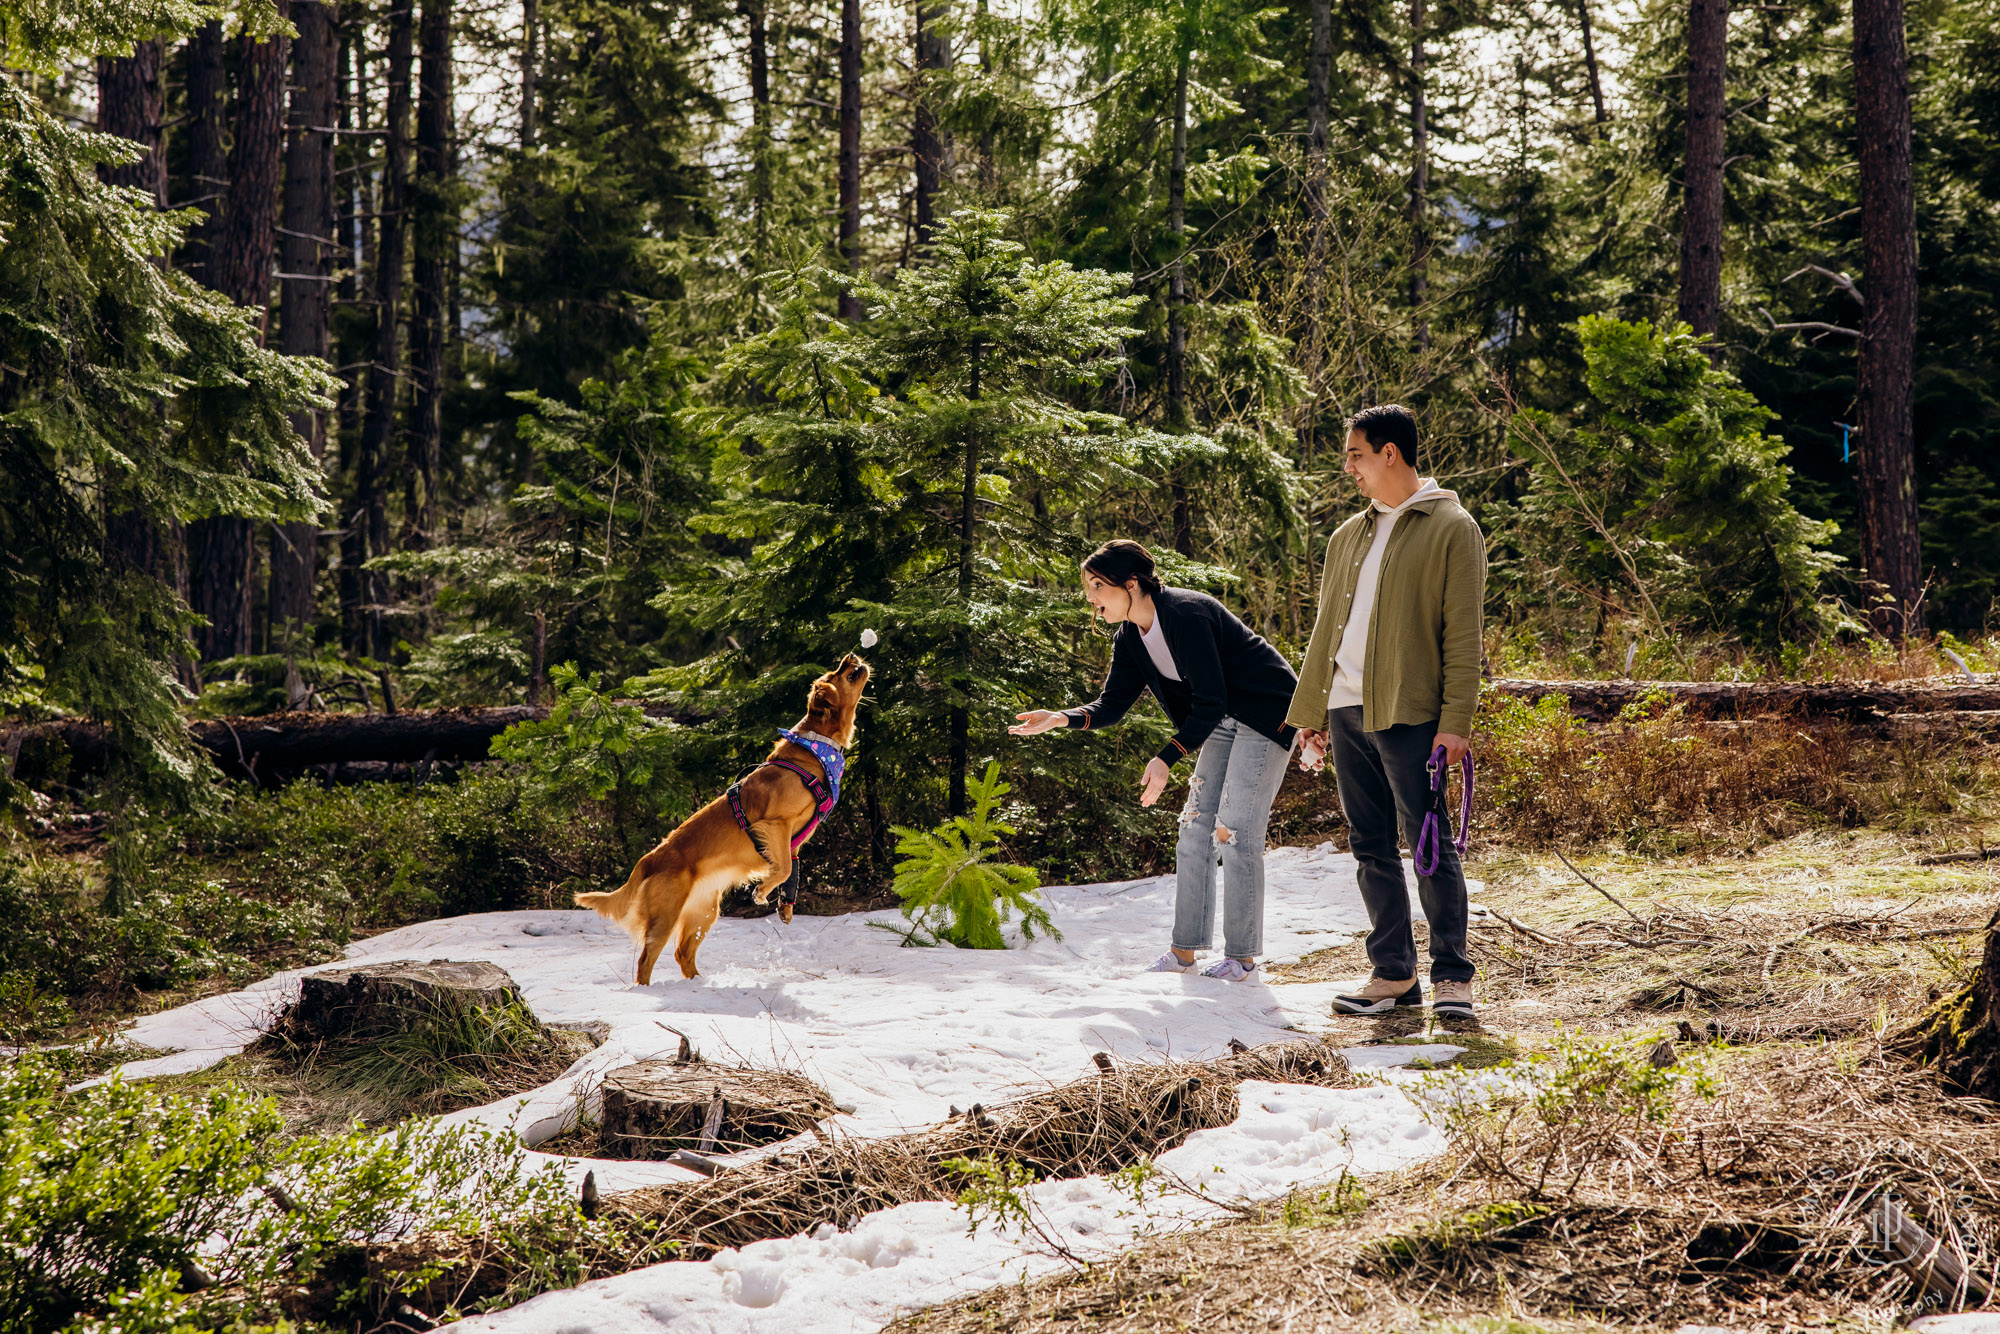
1230, 970
1452, 1000
1380, 996
1168, 963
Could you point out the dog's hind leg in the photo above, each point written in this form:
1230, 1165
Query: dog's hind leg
695, 927
657, 937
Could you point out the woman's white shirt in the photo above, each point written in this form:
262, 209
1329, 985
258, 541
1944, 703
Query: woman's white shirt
1155, 641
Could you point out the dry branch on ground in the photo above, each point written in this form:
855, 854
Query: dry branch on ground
1089, 1126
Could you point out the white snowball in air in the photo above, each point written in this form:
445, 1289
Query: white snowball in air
868, 639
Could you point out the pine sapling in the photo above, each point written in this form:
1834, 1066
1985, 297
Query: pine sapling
953, 892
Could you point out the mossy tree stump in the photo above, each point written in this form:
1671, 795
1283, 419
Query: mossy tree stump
656, 1107
1961, 1034
380, 998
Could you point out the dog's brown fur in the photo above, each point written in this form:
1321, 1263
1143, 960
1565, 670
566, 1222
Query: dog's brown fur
676, 889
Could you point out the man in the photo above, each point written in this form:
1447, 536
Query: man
1392, 673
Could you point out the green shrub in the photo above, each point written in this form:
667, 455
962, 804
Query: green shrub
112, 1199
952, 892
593, 748
1579, 1104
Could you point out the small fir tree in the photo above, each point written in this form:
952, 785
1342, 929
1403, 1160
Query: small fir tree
1661, 493
953, 891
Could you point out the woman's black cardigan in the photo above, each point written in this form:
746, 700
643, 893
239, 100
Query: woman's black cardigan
1227, 670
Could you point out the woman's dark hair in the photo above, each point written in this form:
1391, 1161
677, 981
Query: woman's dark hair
1121, 559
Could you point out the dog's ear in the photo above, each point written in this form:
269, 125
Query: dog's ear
824, 698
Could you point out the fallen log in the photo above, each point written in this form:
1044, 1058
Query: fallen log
261, 748
1600, 701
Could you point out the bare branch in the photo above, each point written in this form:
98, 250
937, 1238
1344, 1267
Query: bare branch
1840, 280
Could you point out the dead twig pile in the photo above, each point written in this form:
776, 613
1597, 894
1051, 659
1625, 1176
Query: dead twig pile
1814, 1187
1089, 1126
1084, 1128
1831, 976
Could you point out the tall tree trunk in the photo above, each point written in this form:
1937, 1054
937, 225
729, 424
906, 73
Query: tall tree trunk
239, 267
755, 15
371, 498
131, 102
1420, 177
305, 270
1590, 64
1312, 342
989, 170
850, 149
968, 546
1319, 77
352, 154
1177, 301
207, 154
1701, 210
928, 143
531, 59
1889, 546
434, 233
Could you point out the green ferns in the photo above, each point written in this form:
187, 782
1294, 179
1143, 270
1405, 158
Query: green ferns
951, 892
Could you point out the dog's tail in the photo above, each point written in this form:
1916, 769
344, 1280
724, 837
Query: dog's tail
619, 903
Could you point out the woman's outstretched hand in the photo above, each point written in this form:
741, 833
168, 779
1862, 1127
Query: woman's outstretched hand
1312, 749
1036, 721
1154, 781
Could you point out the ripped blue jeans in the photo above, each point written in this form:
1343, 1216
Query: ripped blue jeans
1236, 777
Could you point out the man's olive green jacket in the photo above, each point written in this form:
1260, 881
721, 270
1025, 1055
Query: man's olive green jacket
1424, 638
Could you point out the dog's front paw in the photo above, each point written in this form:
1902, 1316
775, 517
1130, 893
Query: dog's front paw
785, 912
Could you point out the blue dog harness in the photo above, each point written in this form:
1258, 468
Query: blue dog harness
825, 795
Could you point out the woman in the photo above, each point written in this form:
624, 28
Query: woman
1227, 692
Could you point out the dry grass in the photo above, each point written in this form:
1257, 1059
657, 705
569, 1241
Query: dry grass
1756, 1199
1749, 1207
1917, 657
1664, 781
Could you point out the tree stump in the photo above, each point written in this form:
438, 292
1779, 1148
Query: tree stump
656, 1107
1961, 1034
380, 998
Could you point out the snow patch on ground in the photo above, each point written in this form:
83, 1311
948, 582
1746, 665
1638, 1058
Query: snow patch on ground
902, 1035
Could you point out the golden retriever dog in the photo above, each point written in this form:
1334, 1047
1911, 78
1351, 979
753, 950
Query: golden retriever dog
677, 888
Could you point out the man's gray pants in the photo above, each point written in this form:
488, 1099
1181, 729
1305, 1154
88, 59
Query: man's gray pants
1384, 783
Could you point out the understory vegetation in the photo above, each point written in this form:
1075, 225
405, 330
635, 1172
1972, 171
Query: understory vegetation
586, 377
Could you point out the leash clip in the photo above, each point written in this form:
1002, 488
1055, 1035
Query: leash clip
1430, 838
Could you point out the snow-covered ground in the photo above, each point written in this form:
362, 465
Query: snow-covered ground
901, 1035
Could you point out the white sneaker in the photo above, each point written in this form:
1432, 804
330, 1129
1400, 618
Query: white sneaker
1168, 963
1230, 970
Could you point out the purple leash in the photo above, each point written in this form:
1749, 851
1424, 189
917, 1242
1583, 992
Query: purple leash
1430, 838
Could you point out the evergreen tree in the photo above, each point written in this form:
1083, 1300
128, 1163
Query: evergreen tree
126, 383
900, 475
1660, 498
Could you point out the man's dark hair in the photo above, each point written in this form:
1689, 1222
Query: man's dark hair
1388, 424
1121, 559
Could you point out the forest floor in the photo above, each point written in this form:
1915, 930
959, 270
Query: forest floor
1802, 956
